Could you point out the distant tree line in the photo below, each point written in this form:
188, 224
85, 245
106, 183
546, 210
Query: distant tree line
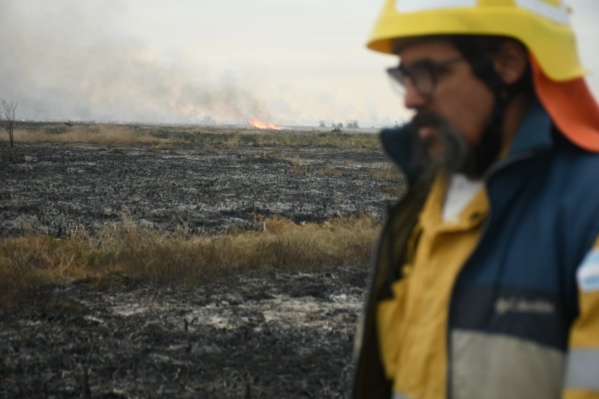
351, 124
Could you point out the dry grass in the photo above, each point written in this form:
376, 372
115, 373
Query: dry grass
97, 134
162, 135
29, 263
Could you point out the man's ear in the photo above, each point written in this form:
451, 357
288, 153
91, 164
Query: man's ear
511, 61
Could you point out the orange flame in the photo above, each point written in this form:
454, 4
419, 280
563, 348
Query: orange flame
257, 123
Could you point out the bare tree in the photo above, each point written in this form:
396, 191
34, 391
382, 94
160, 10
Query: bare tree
9, 112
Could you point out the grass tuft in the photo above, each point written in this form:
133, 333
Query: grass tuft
27, 264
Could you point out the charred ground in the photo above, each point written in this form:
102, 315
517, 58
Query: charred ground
268, 334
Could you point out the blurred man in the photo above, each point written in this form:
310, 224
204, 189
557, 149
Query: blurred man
486, 282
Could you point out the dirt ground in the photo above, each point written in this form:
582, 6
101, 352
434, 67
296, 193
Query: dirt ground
281, 335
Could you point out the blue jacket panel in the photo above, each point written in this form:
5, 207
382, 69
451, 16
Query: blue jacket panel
516, 299
544, 217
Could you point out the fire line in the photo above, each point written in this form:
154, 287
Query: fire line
257, 123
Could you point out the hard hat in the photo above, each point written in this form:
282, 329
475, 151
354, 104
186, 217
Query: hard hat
543, 26
571, 106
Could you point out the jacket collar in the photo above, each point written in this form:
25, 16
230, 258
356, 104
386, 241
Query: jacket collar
534, 134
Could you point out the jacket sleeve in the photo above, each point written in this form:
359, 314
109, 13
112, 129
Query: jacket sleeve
582, 365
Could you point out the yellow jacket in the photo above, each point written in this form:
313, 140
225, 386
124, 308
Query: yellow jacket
504, 304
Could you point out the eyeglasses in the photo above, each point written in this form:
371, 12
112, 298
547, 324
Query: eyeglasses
423, 74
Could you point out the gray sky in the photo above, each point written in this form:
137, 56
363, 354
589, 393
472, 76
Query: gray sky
290, 62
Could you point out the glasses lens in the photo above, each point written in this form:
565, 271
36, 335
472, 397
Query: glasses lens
423, 78
397, 77
423, 75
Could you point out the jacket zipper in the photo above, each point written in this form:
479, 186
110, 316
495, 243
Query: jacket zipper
492, 171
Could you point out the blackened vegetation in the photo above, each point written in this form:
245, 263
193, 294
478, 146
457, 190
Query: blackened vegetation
10, 156
283, 335
288, 336
60, 188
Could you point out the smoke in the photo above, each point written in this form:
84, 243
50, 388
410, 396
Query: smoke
73, 59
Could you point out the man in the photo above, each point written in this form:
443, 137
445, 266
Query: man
486, 283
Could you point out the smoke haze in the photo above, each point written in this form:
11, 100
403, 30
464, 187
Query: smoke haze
70, 59
203, 61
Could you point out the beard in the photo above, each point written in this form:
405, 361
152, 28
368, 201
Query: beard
445, 149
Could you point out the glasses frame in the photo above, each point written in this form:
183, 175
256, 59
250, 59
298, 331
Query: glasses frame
421, 70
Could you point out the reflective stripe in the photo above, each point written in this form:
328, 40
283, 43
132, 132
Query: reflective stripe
556, 13
493, 366
419, 5
588, 273
582, 369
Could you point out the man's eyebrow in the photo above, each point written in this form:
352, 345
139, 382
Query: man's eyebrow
420, 61
403, 65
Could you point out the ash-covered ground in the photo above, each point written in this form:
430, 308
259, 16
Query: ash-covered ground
279, 335
203, 189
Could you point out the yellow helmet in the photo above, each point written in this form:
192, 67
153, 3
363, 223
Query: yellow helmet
543, 26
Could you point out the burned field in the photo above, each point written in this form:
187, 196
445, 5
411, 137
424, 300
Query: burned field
256, 334
59, 188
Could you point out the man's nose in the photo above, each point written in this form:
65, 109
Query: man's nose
413, 99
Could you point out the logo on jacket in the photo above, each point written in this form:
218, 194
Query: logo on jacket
520, 305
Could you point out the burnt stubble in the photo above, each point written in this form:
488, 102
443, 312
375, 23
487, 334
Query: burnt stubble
275, 334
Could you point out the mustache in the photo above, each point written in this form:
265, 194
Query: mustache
456, 155
428, 119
